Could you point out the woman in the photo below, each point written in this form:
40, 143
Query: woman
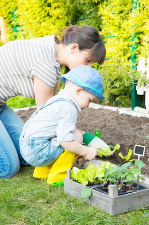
32, 68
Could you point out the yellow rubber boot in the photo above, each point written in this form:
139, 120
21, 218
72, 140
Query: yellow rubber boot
42, 172
59, 168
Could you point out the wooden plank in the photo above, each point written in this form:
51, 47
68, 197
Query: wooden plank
112, 205
97, 199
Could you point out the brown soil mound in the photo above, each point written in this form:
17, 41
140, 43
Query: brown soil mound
114, 129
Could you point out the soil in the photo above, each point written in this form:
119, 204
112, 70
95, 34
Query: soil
126, 189
114, 129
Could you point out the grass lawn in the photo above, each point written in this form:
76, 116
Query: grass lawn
27, 200
20, 102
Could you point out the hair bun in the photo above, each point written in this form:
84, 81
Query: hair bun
70, 28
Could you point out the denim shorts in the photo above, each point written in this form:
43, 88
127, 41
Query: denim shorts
39, 151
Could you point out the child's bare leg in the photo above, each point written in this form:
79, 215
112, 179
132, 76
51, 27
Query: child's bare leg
78, 136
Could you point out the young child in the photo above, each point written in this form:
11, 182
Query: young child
52, 128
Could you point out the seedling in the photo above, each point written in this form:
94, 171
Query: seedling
106, 173
127, 157
141, 137
108, 151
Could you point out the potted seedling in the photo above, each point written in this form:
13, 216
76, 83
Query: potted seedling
115, 189
99, 178
122, 191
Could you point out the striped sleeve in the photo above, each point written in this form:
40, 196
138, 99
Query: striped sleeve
46, 71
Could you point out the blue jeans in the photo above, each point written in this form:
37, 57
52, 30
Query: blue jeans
39, 151
10, 130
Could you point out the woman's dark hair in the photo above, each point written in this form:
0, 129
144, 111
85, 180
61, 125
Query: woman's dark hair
87, 37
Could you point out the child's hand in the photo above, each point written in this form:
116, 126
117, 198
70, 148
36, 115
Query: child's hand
91, 153
79, 158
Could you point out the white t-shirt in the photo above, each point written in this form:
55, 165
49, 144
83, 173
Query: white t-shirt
55, 120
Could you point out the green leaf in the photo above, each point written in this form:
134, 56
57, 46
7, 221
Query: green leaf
130, 177
86, 192
127, 157
136, 171
90, 173
114, 170
126, 165
106, 171
74, 172
139, 164
142, 178
117, 147
131, 160
106, 152
125, 181
121, 155
111, 146
138, 135
99, 172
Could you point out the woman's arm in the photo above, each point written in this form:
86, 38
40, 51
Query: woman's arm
55, 89
42, 92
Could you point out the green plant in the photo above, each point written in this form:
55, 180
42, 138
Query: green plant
141, 136
117, 79
108, 173
1, 43
108, 151
121, 23
7, 8
142, 79
20, 102
90, 174
127, 157
137, 169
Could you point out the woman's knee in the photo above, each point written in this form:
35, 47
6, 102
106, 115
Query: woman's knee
9, 169
14, 171
78, 136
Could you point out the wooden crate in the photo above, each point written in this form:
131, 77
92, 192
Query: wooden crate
111, 203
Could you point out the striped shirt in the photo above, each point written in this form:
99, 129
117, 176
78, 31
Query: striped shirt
21, 60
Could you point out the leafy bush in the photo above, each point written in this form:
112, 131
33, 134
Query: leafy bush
117, 81
7, 8
1, 43
123, 30
20, 102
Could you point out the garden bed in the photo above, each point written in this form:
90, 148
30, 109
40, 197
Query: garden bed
114, 128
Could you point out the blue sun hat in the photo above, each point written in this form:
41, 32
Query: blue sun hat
86, 77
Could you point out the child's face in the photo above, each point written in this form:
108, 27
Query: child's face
85, 98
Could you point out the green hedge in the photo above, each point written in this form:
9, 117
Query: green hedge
115, 20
